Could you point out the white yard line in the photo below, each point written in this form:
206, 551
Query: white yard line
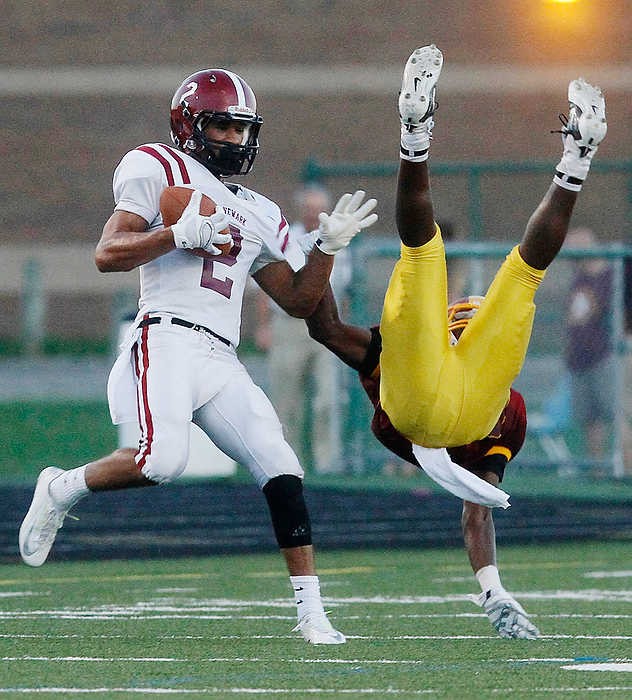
625, 667
361, 637
174, 607
524, 691
236, 691
621, 664
303, 691
180, 607
229, 659
591, 594
19, 594
587, 636
97, 659
488, 636
100, 579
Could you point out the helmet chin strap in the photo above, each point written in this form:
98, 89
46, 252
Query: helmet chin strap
205, 159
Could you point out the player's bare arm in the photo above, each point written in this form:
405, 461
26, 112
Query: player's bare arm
126, 244
477, 524
297, 293
349, 343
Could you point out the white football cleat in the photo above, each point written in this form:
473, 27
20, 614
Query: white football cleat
316, 629
507, 616
417, 101
39, 527
582, 132
586, 114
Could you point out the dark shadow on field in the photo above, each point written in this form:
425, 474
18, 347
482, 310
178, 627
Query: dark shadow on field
216, 517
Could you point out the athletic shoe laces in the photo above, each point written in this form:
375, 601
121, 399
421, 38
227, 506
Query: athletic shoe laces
317, 620
53, 522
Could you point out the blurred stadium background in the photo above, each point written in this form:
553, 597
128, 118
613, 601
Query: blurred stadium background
81, 84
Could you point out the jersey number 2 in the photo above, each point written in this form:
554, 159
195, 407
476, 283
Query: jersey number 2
221, 285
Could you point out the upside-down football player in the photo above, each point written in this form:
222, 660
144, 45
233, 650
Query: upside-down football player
360, 349
439, 395
435, 392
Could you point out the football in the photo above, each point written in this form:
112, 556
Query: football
173, 201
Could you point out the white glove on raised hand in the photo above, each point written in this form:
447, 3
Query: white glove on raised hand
348, 218
192, 230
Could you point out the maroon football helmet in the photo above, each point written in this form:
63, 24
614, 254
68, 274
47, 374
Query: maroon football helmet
216, 94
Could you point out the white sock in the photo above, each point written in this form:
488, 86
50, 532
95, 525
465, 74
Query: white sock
489, 578
307, 595
573, 168
69, 487
414, 145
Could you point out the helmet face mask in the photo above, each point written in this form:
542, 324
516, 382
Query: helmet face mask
221, 157
459, 314
216, 95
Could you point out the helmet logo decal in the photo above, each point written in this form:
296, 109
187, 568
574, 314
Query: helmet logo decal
191, 91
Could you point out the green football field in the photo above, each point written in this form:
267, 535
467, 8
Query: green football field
221, 627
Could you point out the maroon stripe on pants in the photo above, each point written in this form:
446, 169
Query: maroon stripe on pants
147, 413
137, 371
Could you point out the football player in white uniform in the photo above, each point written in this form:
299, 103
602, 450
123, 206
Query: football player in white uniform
179, 362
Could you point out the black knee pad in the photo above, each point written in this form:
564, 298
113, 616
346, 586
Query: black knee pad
290, 518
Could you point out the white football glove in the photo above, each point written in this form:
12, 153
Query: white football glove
192, 230
348, 218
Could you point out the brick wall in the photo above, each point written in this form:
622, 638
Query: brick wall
62, 151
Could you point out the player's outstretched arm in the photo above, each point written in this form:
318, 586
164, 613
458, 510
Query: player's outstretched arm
349, 343
125, 243
477, 525
298, 293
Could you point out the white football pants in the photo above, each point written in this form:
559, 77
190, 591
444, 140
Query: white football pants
181, 375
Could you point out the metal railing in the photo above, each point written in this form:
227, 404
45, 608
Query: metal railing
315, 171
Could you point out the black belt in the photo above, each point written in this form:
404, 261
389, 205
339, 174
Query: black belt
187, 324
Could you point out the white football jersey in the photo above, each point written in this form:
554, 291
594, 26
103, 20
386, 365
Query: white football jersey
208, 291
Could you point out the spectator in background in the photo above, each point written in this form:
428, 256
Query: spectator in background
298, 367
589, 354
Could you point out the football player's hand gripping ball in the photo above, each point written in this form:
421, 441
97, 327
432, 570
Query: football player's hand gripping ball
348, 218
192, 230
